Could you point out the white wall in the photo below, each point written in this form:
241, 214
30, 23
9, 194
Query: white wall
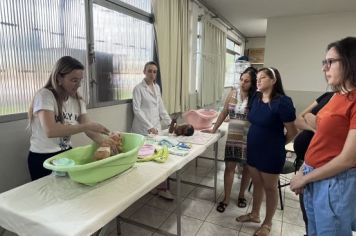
296, 46
14, 144
255, 42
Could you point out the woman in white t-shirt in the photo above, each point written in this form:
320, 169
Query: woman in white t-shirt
57, 112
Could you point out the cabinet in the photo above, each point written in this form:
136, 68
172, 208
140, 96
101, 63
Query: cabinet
256, 56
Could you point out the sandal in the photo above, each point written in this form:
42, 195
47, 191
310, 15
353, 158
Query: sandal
221, 207
264, 230
241, 202
248, 218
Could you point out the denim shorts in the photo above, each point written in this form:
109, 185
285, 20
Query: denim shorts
330, 204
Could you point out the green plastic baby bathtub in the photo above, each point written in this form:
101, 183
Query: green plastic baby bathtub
88, 171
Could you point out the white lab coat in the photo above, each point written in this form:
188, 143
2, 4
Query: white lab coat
148, 109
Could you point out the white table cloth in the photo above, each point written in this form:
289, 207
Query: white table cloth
58, 206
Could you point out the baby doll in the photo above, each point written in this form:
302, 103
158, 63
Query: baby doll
184, 129
111, 146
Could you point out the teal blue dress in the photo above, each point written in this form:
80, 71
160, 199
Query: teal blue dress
265, 138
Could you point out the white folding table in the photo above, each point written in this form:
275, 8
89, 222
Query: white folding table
58, 206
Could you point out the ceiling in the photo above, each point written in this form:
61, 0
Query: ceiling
250, 16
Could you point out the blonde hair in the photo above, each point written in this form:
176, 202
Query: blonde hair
63, 66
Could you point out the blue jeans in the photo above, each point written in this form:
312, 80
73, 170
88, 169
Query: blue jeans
330, 204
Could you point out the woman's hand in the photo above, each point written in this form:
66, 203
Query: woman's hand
211, 131
110, 142
97, 128
298, 182
310, 119
153, 131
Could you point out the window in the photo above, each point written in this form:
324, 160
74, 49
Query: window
122, 45
35, 34
30, 44
140, 4
198, 55
233, 52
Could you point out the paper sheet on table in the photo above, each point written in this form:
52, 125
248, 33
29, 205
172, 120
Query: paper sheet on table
197, 138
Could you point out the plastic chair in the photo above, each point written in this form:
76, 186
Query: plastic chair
289, 167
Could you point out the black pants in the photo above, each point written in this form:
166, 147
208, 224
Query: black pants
35, 164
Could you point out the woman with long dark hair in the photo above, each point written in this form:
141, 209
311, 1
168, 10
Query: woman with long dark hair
271, 113
235, 107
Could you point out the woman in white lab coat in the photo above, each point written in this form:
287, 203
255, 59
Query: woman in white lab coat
147, 103
149, 111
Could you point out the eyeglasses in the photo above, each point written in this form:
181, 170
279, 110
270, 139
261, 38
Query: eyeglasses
328, 62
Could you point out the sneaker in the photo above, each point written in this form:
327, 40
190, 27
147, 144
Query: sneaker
166, 194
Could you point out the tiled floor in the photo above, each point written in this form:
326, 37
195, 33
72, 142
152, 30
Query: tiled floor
199, 215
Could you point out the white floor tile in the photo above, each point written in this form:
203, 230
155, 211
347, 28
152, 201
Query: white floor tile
292, 230
278, 215
203, 193
189, 226
131, 209
145, 198
226, 218
196, 208
191, 178
205, 162
162, 203
293, 216
150, 216
243, 234
220, 174
198, 171
186, 189
294, 203
209, 229
131, 230
208, 181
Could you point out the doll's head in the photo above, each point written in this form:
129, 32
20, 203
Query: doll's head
185, 130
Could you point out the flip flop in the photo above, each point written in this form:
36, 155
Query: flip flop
248, 218
264, 230
221, 207
241, 202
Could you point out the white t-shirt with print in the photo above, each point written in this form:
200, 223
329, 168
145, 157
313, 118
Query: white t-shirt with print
45, 100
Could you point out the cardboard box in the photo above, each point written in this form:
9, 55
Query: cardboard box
256, 55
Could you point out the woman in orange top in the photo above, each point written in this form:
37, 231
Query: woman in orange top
328, 174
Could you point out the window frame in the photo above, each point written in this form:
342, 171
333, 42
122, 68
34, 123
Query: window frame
120, 7
115, 5
231, 52
228, 50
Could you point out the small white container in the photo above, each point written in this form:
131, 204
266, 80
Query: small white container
62, 162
